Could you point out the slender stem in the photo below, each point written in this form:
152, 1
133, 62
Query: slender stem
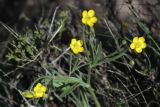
91, 91
84, 40
51, 25
85, 46
89, 75
53, 62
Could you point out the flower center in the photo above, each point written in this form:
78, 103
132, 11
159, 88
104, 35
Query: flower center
138, 44
76, 46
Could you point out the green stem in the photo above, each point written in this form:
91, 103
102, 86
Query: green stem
84, 41
89, 75
91, 91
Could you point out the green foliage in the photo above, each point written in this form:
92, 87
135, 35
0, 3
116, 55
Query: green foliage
90, 79
26, 46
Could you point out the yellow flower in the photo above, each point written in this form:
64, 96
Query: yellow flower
38, 92
88, 18
138, 44
76, 46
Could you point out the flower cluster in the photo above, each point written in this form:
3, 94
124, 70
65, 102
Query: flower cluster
76, 46
138, 44
38, 92
88, 18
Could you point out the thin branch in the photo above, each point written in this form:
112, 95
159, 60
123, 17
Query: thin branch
55, 34
54, 61
51, 25
117, 44
9, 29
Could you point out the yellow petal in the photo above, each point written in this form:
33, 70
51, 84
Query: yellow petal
141, 39
81, 49
84, 20
138, 50
80, 43
73, 41
90, 23
38, 85
144, 45
28, 94
84, 14
93, 19
135, 39
91, 13
71, 46
38, 94
75, 51
132, 46
36, 88
43, 88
